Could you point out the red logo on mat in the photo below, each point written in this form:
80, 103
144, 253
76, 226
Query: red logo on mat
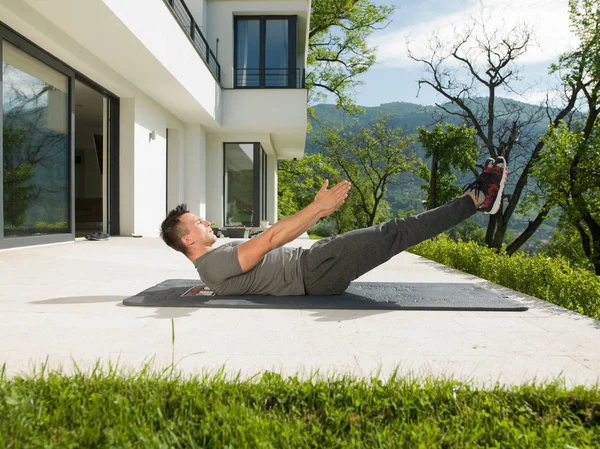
199, 290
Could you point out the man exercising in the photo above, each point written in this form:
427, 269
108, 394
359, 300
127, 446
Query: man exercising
263, 266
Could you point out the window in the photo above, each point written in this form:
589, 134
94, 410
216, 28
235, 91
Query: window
245, 184
265, 52
35, 152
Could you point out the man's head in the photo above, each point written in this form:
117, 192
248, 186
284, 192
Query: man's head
184, 231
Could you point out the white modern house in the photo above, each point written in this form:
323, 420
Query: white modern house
115, 111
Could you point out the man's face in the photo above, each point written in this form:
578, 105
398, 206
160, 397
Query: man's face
199, 230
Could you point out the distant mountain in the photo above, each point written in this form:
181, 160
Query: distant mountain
409, 116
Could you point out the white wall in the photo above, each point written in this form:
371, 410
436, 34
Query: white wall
269, 110
151, 23
198, 9
175, 168
195, 169
214, 178
143, 165
272, 189
127, 165
150, 184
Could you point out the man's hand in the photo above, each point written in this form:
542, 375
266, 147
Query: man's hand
328, 201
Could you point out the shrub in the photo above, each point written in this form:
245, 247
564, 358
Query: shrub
549, 278
41, 225
324, 228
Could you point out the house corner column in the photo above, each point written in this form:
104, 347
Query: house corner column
195, 169
127, 165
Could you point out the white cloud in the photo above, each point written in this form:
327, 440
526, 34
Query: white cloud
535, 97
549, 19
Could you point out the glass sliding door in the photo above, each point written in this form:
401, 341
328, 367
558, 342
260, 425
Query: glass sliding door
245, 184
239, 184
35, 146
93, 160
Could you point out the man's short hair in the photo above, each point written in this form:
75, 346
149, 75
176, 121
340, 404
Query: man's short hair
171, 229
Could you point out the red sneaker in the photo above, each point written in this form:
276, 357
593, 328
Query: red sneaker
489, 185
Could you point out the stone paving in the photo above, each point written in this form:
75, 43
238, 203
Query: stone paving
61, 304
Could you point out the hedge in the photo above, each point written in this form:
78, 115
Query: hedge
548, 278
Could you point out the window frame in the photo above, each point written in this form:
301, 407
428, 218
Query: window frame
292, 44
259, 180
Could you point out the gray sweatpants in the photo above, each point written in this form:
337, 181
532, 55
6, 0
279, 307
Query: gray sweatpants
331, 264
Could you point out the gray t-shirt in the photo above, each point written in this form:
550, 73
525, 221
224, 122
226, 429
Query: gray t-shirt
278, 273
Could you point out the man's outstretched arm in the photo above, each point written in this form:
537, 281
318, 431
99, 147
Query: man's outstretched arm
326, 202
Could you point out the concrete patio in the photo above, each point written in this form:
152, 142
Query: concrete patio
63, 303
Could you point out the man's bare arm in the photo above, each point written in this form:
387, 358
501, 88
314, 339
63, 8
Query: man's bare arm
326, 202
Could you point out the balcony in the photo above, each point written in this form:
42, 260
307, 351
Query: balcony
188, 24
282, 78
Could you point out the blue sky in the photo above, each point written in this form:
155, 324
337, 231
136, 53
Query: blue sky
395, 76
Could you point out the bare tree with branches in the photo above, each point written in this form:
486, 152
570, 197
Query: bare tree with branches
471, 73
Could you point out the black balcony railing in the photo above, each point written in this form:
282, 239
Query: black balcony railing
188, 24
270, 78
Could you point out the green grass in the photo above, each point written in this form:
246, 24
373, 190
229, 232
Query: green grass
149, 410
548, 278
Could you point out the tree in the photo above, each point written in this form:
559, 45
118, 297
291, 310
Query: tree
470, 73
566, 242
299, 181
18, 193
567, 171
371, 158
452, 148
337, 47
28, 146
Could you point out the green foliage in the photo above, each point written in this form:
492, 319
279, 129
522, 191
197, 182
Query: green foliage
18, 195
566, 242
568, 173
551, 279
352, 215
337, 47
467, 231
453, 148
568, 168
154, 411
298, 181
582, 63
324, 228
58, 225
372, 158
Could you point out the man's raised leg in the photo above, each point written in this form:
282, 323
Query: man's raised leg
331, 264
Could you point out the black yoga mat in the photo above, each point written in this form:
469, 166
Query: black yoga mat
360, 295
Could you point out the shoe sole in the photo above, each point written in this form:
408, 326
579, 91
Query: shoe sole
498, 201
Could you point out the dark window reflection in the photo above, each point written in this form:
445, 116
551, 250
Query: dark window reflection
271, 37
239, 173
248, 53
35, 146
276, 53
